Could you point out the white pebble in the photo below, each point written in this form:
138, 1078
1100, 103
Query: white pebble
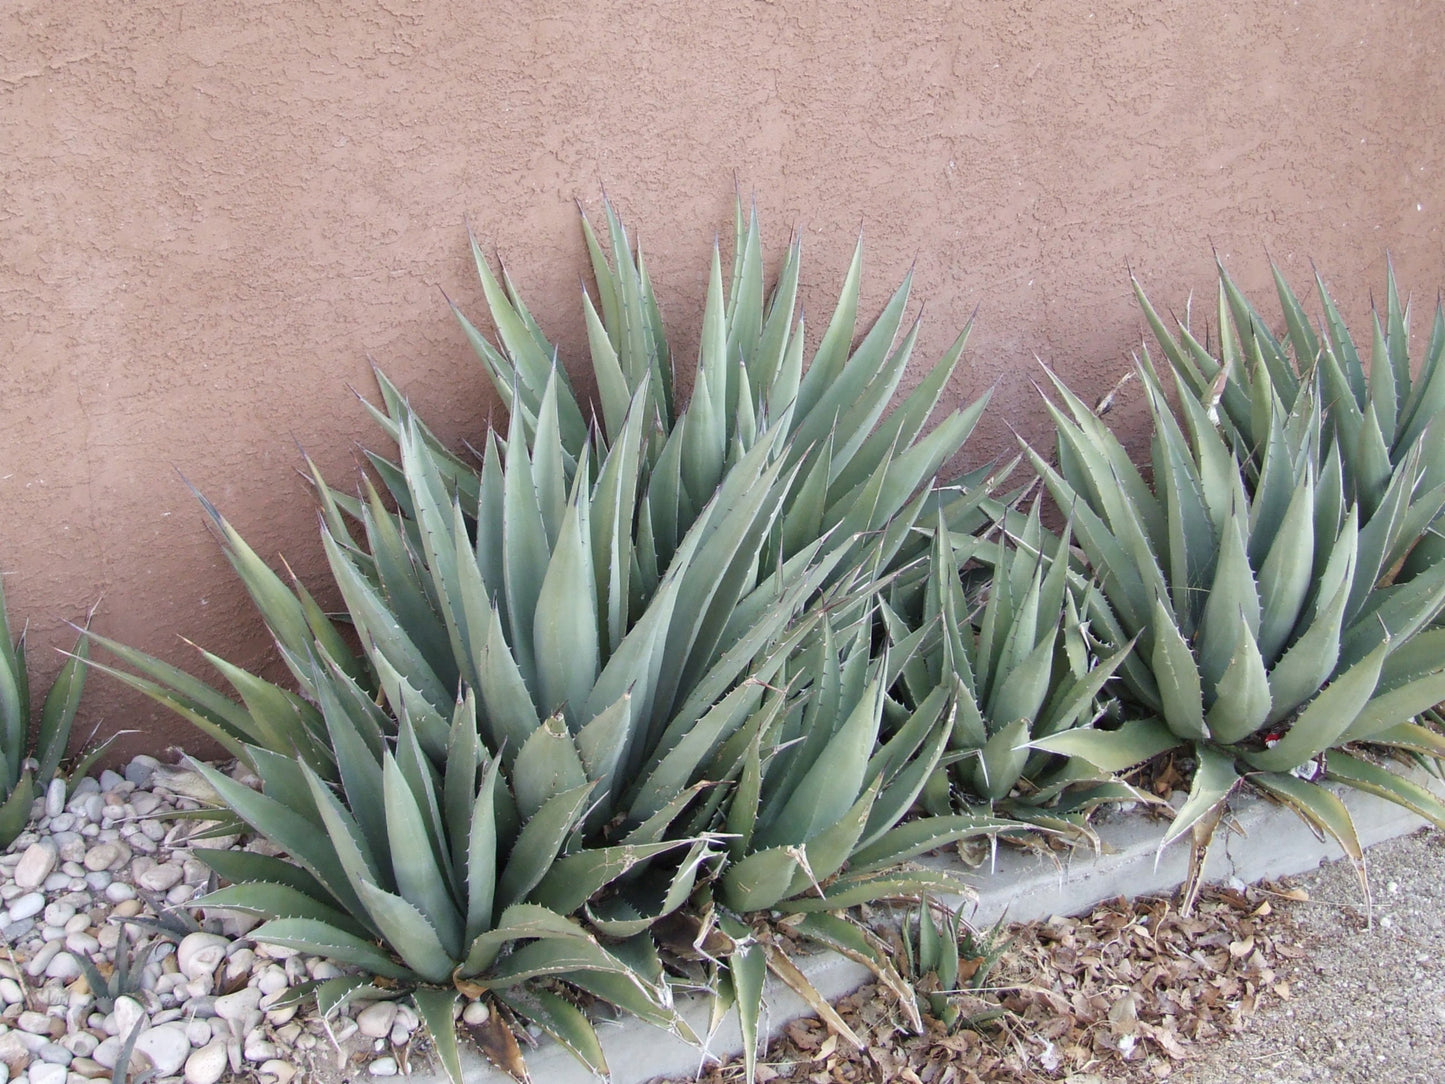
83, 943
27, 906
41, 1072
10, 992
376, 1019
382, 1067
207, 1064
200, 953
107, 1053
198, 1032
279, 1071
103, 856
271, 980
80, 1043
159, 878
476, 1013
36, 864
166, 1046
55, 797
239, 963
58, 913
126, 1014
36, 1023
257, 1049
237, 1006
41, 960
141, 768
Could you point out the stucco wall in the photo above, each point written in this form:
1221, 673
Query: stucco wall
212, 215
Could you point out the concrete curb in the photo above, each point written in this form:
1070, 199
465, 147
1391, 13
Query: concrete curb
1256, 840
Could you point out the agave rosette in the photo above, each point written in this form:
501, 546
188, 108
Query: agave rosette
1015, 651
607, 610
25, 770
1264, 636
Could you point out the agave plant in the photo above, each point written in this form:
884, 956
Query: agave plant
949, 964
25, 770
615, 605
1375, 414
443, 883
1020, 664
1262, 638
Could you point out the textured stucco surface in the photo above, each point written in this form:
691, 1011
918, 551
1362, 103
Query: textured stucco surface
212, 215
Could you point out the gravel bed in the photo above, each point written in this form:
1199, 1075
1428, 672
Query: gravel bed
96, 872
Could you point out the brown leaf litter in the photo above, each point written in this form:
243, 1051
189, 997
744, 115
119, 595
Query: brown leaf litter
1119, 995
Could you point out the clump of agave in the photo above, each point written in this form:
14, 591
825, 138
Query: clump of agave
1375, 414
580, 661
1019, 663
25, 770
949, 965
1264, 635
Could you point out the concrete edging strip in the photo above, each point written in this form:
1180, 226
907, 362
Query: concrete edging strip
1256, 840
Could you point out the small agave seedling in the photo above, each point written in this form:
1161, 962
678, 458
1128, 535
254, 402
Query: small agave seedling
25, 772
1020, 665
947, 961
1265, 636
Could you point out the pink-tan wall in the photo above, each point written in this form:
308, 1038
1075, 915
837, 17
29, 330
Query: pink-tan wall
213, 214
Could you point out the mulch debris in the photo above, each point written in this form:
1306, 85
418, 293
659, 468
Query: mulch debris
1117, 995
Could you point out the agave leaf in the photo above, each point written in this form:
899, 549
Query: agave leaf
1311, 659
677, 767
547, 765
248, 866
832, 351
833, 781
294, 833
1318, 806
1133, 742
320, 939
860, 945
1001, 760
539, 843
748, 970
58, 712
871, 888
576, 877
559, 1019
1177, 673
1388, 710
1241, 697
1359, 773
554, 957
1415, 737
435, 1008
506, 700
828, 851
1214, 780
915, 837
269, 900
382, 635
223, 720
1284, 577
785, 969
420, 876
15, 810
